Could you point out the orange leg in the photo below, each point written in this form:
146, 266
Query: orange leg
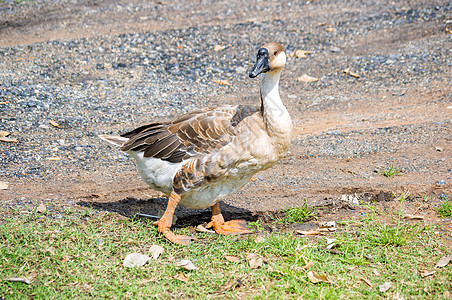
226, 228
165, 222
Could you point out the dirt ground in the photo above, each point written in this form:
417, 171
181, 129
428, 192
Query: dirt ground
348, 129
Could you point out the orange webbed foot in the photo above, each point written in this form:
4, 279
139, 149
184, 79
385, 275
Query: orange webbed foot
230, 227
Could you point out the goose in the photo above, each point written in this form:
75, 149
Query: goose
202, 156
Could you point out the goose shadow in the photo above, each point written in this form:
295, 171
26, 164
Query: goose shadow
129, 207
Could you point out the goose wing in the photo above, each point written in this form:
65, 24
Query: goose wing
191, 135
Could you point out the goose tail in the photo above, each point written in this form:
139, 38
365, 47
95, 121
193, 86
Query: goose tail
114, 139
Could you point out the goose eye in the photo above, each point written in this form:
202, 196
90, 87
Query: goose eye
276, 52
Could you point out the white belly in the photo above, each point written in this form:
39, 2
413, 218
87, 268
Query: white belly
209, 194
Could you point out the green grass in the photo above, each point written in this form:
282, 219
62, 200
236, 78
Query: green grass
297, 214
445, 209
390, 172
66, 260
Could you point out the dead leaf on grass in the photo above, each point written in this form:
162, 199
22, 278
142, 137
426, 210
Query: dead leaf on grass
254, 261
444, 261
187, 265
41, 208
155, 251
259, 239
232, 258
366, 281
316, 278
307, 78
308, 265
385, 287
65, 258
426, 273
55, 124
135, 260
223, 82
414, 217
309, 232
201, 228
182, 277
4, 185
19, 279
351, 73
330, 243
439, 149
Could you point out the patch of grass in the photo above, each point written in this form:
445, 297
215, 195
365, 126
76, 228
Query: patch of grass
297, 214
81, 257
445, 209
390, 172
398, 234
256, 226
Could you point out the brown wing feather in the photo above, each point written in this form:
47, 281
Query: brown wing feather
190, 135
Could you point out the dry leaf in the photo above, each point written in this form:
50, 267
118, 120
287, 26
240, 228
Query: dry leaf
217, 48
308, 265
7, 139
259, 239
327, 229
301, 53
385, 287
55, 124
426, 273
330, 243
53, 158
41, 208
232, 258
351, 73
4, 133
254, 261
366, 281
440, 149
330, 29
307, 78
444, 261
65, 258
19, 279
414, 217
186, 264
4, 185
223, 82
310, 232
329, 224
135, 260
316, 278
182, 277
201, 228
155, 251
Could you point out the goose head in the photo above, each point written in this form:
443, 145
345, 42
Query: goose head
270, 58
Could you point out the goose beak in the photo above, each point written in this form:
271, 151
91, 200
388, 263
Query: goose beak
262, 64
